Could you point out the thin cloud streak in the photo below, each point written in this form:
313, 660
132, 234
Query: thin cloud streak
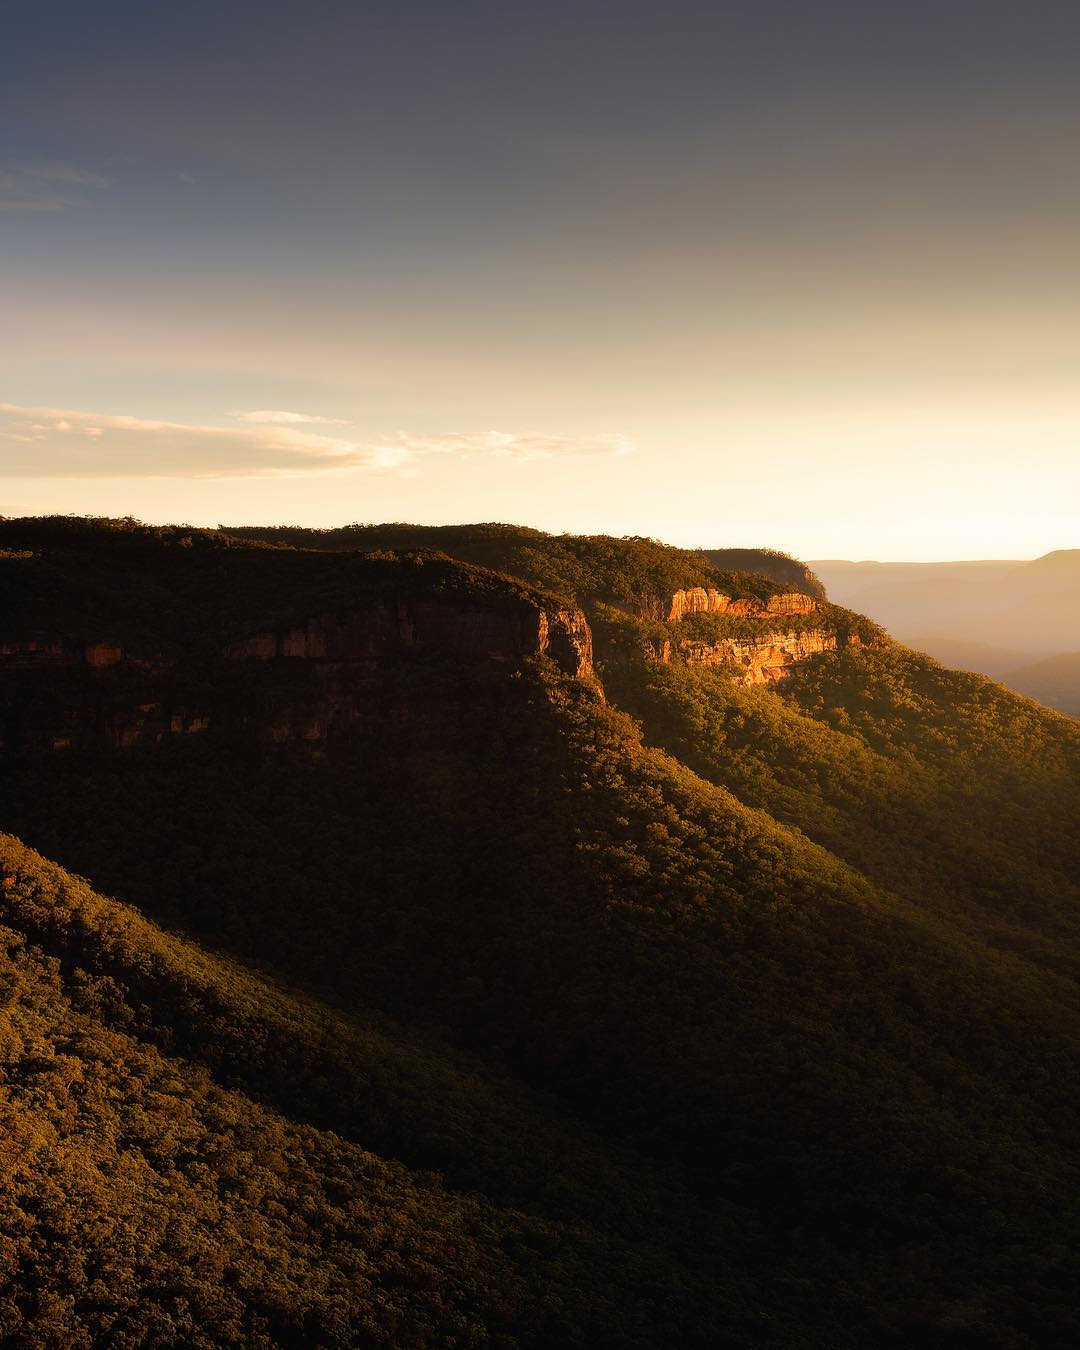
67, 174
279, 417
47, 188
38, 442
69, 443
522, 447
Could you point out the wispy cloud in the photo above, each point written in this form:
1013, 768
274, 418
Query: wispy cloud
37, 442
522, 446
278, 417
68, 443
67, 174
49, 188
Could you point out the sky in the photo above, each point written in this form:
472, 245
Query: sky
773, 273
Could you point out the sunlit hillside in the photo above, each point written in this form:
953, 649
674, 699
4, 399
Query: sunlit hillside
523, 960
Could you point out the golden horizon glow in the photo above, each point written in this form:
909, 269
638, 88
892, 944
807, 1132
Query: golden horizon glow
816, 289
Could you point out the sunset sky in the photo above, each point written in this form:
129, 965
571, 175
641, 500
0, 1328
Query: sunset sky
802, 275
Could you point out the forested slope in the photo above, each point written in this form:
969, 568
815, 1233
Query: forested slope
170, 1174
723, 1014
582, 567
941, 786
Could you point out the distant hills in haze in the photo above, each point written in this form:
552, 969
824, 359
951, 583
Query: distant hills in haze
1017, 622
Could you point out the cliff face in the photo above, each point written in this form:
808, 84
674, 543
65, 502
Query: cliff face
699, 600
383, 630
132, 637
304, 681
771, 657
766, 657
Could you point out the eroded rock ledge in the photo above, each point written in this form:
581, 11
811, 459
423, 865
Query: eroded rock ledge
380, 630
699, 600
58, 694
767, 659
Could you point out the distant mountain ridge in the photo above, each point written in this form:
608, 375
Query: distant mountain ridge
998, 618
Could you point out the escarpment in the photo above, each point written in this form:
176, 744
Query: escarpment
132, 636
770, 657
702, 600
373, 632
760, 648
304, 679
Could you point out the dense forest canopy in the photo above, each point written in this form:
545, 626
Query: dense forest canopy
518, 1008
578, 566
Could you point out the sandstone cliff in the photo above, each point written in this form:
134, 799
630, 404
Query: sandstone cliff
766, 653
770, 657
699, 600
389, 628
117, 635
304, 680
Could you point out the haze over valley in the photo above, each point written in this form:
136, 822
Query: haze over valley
1018, 622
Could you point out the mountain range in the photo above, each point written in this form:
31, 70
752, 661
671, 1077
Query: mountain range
467, 936
1018, 622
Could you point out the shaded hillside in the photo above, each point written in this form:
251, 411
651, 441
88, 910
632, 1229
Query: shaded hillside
116, 635
169, 1176
780, 567
195, 590
780, 981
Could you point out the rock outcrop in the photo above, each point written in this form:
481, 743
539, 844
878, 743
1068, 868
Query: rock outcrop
303, 681
699, 600
381, 630
766, 658
762, 657
61, 654
772, 657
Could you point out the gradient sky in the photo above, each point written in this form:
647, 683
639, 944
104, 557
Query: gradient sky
803, 275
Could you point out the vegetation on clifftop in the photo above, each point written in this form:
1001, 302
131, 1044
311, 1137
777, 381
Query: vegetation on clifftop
582, 568
705, 1015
